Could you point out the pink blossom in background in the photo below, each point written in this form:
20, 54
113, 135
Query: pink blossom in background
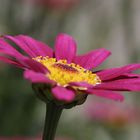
57, 4
113, 113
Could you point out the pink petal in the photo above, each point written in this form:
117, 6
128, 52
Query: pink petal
121, 85
24, 62
92, 59
22, 45
38, 47
63, 94
9, 61
31, 46
81, 84
131, 75
5, 48
107, 94
127, 76
35, 77
33, 65
115, 72
65, 47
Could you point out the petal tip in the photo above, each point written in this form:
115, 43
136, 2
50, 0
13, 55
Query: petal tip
65, 47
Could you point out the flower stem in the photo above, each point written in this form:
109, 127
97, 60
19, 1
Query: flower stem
53, 114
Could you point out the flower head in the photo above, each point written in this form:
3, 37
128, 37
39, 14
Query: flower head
64, 77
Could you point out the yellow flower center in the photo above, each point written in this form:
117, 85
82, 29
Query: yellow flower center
64, 73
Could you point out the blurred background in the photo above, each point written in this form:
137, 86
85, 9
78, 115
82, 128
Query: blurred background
112, 24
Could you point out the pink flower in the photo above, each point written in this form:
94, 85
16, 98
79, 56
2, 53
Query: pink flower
57, 4
112, 113
65, 76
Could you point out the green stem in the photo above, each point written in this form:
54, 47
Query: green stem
53, 114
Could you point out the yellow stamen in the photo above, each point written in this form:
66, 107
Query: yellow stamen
64, 73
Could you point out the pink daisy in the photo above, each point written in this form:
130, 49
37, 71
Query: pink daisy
65, 76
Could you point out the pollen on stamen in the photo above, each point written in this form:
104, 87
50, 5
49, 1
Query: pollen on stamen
65, 67
64, 73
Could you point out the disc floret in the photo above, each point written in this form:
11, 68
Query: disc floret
64, 73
